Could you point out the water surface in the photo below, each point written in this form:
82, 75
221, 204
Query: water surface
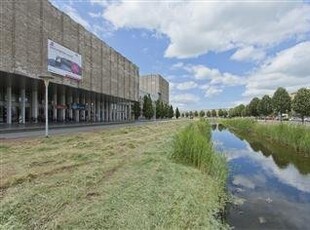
271, 183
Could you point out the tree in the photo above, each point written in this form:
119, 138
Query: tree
158, 109
196, 113
171, 112
167, 109
281, 101
186, 114
238, 111
221, 113
190, 114
253, 107
208, 113
136, 109
265, 106
202, 113
177, 113
182, 115
301, 103
148, 110
213, 113
225, 113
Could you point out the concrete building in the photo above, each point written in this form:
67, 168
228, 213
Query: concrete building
156, 86
91, 81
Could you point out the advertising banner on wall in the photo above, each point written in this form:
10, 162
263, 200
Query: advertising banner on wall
63, 61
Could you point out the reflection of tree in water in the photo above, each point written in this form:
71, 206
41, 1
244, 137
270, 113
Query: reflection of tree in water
281, 155
213, 126
221, 127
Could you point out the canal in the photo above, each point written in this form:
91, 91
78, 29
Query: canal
270, 184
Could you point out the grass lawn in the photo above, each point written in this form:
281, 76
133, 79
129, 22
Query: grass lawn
119, 178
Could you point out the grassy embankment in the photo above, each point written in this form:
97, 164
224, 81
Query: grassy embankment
295, 136
112, 179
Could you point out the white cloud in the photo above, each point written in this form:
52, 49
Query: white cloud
186, 98
177, 65
72, 12
289, 68
102, 3
248, 53
95, 15
215, 77
210, 90
187, 85
197, 27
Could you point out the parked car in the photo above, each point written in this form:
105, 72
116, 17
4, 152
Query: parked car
295, 119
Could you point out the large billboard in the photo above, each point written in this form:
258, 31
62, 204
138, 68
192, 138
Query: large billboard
63, 61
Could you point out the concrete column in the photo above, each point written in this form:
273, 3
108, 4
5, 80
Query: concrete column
98, 110
77, 112
129, 114
111, 111
125, 112
23, 102
63, 103
70, 100
116, 111
9, 102
106, 106
93, 107
88, 99
55, 102
102, 104
83, 111
34, 101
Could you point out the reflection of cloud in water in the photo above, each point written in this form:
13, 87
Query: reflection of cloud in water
243, 181
289, 176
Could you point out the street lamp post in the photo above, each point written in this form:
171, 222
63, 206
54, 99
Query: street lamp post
46, 80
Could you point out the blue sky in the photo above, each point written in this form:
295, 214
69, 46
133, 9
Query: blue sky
214, 54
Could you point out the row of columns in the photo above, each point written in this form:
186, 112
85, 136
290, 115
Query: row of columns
98, 108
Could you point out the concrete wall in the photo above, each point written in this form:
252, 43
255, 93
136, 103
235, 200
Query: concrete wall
154, 84
26, 26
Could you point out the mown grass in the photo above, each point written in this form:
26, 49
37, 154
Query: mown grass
296, 136
112, 179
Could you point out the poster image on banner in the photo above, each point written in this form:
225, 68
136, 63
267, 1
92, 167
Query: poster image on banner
63, 61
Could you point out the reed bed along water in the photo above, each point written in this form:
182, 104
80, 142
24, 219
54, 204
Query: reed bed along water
193, 146
296, 136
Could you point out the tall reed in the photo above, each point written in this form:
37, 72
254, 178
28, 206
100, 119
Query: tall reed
193, 146
296, 136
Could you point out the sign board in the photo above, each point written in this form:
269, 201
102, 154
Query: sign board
63, 61
78, 106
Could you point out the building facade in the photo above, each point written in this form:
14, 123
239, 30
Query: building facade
156, 86
91, 81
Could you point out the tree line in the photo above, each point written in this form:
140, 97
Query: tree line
281, 102
150, 109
